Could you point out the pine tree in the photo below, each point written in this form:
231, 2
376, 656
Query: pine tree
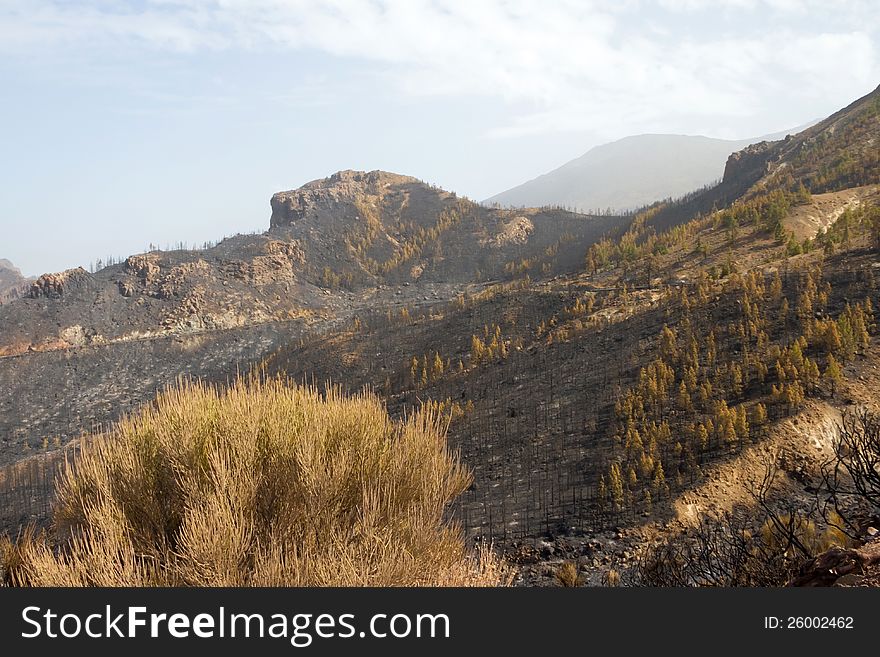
833, 374
831, 338
810, 373
425, 370
860, 327
736, 381
616, 485
658, 483
684, 399
668, 348
761, 371
702, 435
414, 371
478, 349
711, 351
741, 424
704, 391
759, 415
728, 431
776, 288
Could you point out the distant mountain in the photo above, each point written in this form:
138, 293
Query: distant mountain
629, 173
12, 282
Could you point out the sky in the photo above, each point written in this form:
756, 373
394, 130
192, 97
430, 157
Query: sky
156, 121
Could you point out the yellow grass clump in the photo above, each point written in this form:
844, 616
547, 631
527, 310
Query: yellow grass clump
264, 484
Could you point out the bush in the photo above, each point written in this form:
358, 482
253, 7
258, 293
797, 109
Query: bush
265, 484
567, 574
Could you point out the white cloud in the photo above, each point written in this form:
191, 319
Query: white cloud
569, 64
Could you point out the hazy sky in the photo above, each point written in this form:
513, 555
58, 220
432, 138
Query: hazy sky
129, 122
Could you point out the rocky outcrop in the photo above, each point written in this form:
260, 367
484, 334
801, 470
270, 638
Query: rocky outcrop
746, 167
245, 279
179, 277
289, 250
277, 264
743, 169
55, 286
74, 336
126, 289
359, 229
514, 231
329, 193
144, 266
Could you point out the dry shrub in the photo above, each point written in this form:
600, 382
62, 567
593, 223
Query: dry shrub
11, 555
9, 561
774, 534
567, 574
265, 484
611, 578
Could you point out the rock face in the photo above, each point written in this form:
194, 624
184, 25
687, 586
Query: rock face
744, 168
515, 231
144, 267
278, 265
55, 286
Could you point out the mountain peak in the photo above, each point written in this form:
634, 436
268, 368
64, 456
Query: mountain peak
343, 186
374, 177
